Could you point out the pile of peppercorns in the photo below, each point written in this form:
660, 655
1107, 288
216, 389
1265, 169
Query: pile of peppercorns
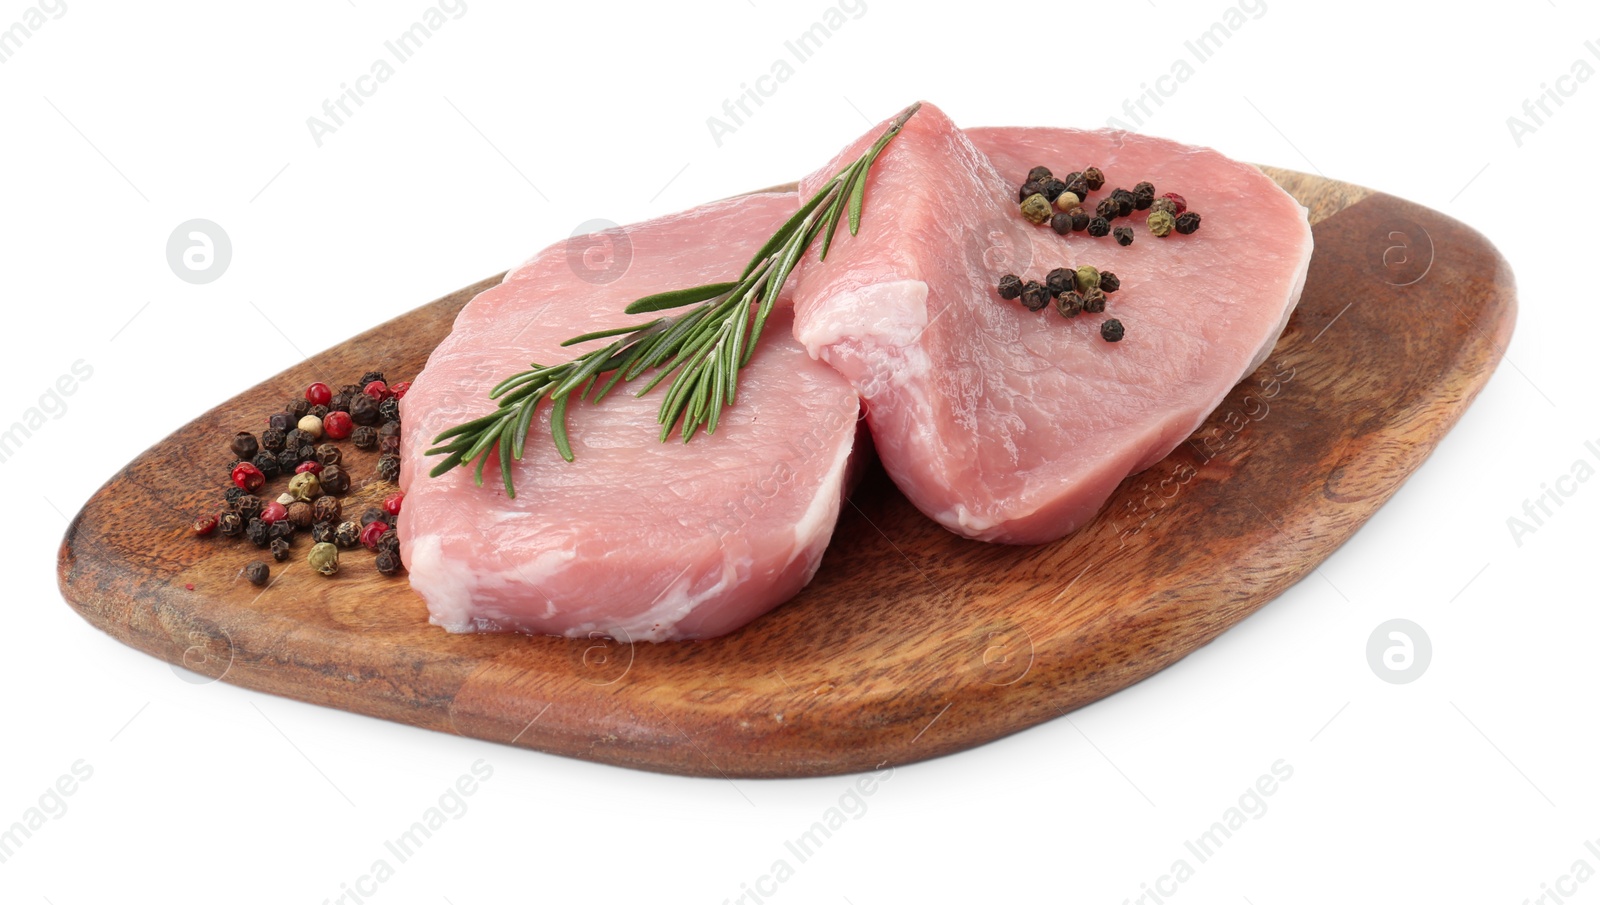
1081, 291
1043, 193
367, 413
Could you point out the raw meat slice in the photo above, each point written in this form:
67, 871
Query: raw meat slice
636, 539
1013, 426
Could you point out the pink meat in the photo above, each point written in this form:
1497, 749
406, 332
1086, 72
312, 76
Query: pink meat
636, 539
1013, 426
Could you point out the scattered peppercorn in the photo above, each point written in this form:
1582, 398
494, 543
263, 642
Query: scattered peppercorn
371, 514
1125, 201
305, 486
1029, 188
1039, 174
1160, 223
1069, 303
1164, 205
280, 549
1035, 295
338, 425
389, 541
371, 533
348, 534
1111, 331
1094, 301
299, 513
295, 439
1123, 235
1109, 281
1077, 185
312, 425
244, 445
324, 558
231, 495
248, 506
259, 532
399, 390
230, 524
1066, 201
280, 421
1177, 201
377, 389
388, 562
326, 509
309, 467
305, 453
281, 529
248, 477
352, 390
1094, 178
1080, 219
1058, 280
1143, 194
1061, 222
1086, 278
1187, 222
367, 438
273, 511
1052, 189
318, 394
1099, 226
297, 408
339, 403
370, 376
363, 409
322, 532
256, 572
334, 479
268, 465
329, 454
389, 465
1108, 208
389, 409
288, 460
272, 439
388, 429
1036, 208
318, 412
205, 525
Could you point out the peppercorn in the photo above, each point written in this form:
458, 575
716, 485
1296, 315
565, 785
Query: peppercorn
1094, 178
1177, 201
367, 438
312, 425
1109, 281
259, 532
322, 532
1039, 174
1052, 189
309, 467
371, 533
389, 446
389, 541
1111, 331
205, 525
399, 390
288, 460
389, 465
1029, 188
339, 403
1094, 301
280, 421
371, 514
273, 511
1009, 287
338, 425
1036, 208
1143, 194
370, 376
318, 393
299, 513
388, 429
232, 494
324, 558
1099, 226
1035, 295
297, 408
280, 549
268, 465
352, 390
1164, 205
281, 530
1123, 235
305, 486
248, 506
230, 524
256, 572
306, 453
248, 476
326, 508
318, 412
363, 409
295, 438
1187, 222
1125, 202
1086, 278
1077, 185
244, 445
1108, 208
272, 439
1061, 222
389, 409
388, 562
1080, 219
334, 479
348, 534
329, 454
1066, 201
1069, 303
1160, 223
1058, 280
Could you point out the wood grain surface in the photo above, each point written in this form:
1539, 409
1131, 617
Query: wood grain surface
897, 651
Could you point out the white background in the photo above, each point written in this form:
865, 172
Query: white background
517, 122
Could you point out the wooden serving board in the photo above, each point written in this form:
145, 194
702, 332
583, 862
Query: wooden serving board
900, 649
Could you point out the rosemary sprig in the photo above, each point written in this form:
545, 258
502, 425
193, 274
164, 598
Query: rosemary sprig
702, 350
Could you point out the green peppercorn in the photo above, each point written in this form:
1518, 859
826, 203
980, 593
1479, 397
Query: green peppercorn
1086, 278
1010, 286
1080, 220
1035, 207
322, 532
267, 464
1058, 280
1164, 205
329, 454
388, 562
334, 479
1109, 281
1062, 222
324, 558
389, 465
280, 549
297, 408
244, 445
348, 534
1094, 178
1187, 222
364, 438
305, 486
389, 409
1094, 301
1111, 331
256, 571
229, 524
1160, 223
326, 509
1099, 226
1069, 303
363, 409
1039, 174
1144, 194
300, 514
1035, 295
1123, 235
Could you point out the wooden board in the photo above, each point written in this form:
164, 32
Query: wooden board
900, 649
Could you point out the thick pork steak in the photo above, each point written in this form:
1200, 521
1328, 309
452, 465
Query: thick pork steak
636, 539
1014, 426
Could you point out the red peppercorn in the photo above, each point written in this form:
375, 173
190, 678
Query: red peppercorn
311, 465
248, 477
319, 394
371, 533
1177, 199
338, 425
205, 525
400, 389
377, 389
392, 504
274, 511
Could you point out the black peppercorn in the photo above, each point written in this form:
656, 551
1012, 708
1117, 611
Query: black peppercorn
280, 530
259, 532
296, 438
267, 464
1144, 194
1030, 188
1058, 280
389, 446
1111, 331
322, 532
297, 408
1188, 222
1052, 188
1077, 185
256, 572
1094, 178
1010, 286
320, 411
1094, 301
280, 421
1125, 201
248, 506
230, 524
232, 494
373, 514
1080, 220
367, 437
339, 403
244, 445
370, 376
389, 540
307, 453
348, 534
327, 508
389, 409
288, 459
353, 389
388, 562
1124, 235
1062, 222
334, 479
272, 439
1099, 226
1035, 296
280, 549
328, 454
1069, 303
1109, 281
1108, 208
1038, 174
389, 429
363, 409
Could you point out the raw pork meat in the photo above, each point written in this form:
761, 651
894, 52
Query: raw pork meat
1013, 426
637, 539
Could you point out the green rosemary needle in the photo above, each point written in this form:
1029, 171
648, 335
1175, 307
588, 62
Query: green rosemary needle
701, 350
